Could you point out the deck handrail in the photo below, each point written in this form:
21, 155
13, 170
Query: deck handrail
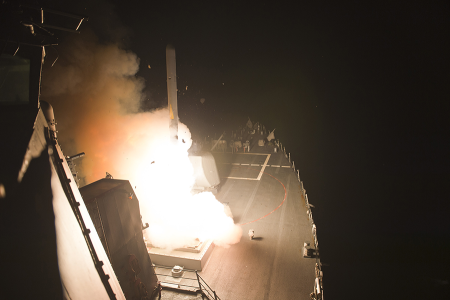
206, 288
318, 284
201, 287
317, 293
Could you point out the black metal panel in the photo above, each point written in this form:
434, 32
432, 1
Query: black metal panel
111, 221
114, 209
128, 217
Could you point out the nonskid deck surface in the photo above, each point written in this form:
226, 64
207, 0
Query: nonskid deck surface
264, 194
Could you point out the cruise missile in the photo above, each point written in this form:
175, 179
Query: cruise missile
172, 93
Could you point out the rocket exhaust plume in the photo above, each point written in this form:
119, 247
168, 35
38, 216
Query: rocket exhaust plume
172, 92
96, 98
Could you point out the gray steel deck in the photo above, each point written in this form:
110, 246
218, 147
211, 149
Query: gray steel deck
271, 266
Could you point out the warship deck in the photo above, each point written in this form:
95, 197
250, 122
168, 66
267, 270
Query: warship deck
264, 194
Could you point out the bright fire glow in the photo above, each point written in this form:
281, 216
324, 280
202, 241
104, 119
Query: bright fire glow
163, 177
96, 96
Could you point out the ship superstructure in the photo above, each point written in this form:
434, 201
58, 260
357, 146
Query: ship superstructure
64, 244
51, 247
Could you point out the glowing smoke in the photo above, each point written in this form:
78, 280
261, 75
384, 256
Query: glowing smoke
96, 98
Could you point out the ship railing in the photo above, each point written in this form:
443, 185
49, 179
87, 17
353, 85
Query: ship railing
205, 289
318, 284
190, 281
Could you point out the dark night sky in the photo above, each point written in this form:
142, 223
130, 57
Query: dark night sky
358, 93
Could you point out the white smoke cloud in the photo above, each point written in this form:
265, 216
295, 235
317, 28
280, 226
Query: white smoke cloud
96, 98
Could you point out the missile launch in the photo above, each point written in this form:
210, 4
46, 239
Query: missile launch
172, 92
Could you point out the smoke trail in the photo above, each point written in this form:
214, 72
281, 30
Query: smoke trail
96, 99
91, 87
